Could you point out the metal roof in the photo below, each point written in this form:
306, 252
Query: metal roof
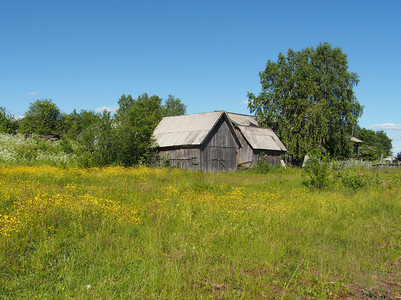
186, 130
262, 138
354, 139
242, 120
258, 137
192, 130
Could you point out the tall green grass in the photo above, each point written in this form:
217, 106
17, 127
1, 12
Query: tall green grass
194, 235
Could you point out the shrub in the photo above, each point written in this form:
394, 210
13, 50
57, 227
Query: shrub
66, 146
352, 180
16, 150
317, 169
262, 166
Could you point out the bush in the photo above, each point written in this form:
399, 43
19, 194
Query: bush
352, 180
262, 166
15, 150
66, 146
317, 169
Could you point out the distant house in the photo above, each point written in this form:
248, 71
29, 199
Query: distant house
204, 142
356, 142
255, 141
390, 159
215, 141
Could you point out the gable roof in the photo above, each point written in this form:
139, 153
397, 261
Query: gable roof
355, 140
259, 138
189, 130
243, 120
262, 138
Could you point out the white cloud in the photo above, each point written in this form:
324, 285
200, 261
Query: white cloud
105, 108
386, 126
33, 93
398, 138
243, 102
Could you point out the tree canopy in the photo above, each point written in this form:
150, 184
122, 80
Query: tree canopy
126, 139
42, 117
7, 121
374, 144
173, 107
75, 123
307, 97
136, 120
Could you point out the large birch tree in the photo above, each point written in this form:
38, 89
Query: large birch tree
307, 97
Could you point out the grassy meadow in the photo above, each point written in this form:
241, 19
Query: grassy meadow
140, 233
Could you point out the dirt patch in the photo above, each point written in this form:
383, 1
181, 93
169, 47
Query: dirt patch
388, 287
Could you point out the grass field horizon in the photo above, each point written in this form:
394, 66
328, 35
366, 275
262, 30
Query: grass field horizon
166, 233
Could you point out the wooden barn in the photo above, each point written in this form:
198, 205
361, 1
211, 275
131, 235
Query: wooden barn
205, 142
255, 141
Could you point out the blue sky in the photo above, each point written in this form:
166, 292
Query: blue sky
86, 54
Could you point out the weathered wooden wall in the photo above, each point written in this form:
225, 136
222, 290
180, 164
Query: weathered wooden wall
272, 157
181, 158
219, 152
245, 154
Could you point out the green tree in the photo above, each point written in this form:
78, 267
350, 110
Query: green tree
308, 98
374, 144
124, 103
367, 152
42, 117
7, 122
173, 107
368, 136
136, 120
125, 139
98, 143
384, 143
75, 123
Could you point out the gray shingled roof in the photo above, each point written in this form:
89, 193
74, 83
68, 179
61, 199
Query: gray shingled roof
187, 130
258, 137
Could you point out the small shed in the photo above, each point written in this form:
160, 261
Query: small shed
204, 142
255, 141
356, 142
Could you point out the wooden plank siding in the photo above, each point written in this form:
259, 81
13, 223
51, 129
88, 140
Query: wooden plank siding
183, 158
218, 154
213, 142
272, 157
246, 154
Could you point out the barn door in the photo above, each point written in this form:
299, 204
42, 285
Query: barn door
219, 165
